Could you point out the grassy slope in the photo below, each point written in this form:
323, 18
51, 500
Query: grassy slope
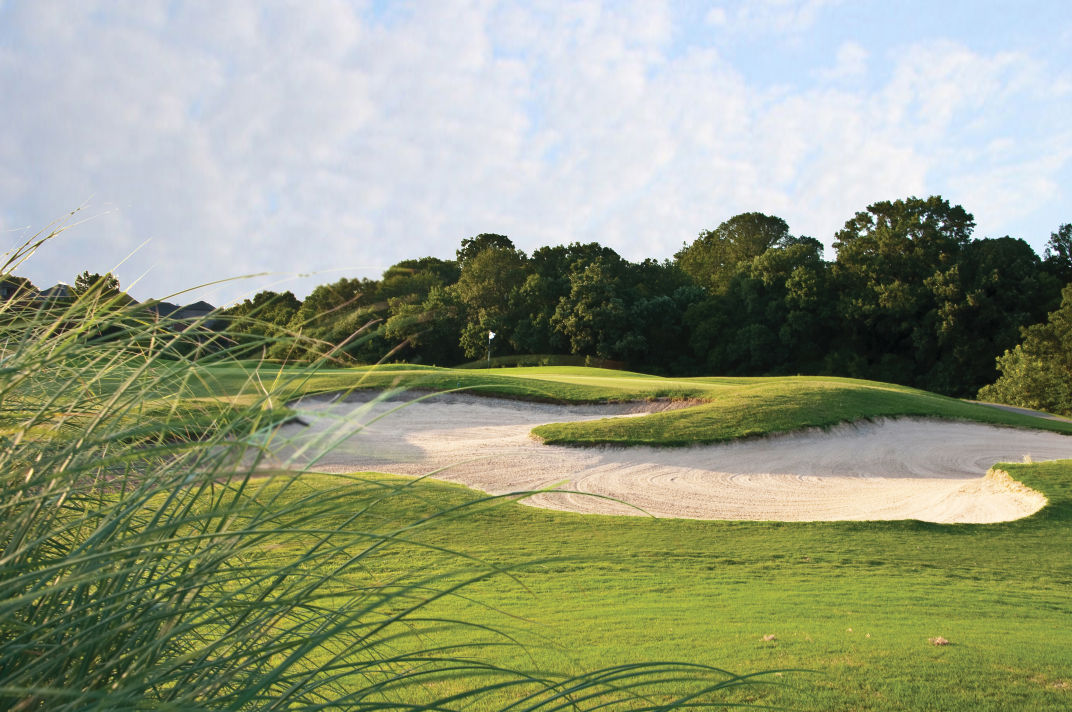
762, 406
733, 407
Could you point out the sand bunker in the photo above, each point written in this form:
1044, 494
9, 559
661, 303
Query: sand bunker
892, 469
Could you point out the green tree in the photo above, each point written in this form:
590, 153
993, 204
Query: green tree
622, 311
595, 315
1059, 253
427, 332
904, 238
261, 323
107, 284
341, 319
413, 279
712, 257
266, 308
473, 246
1037, 373
546, 284
997, 288
889, 260
422, 321
322, 305
657, 297
488, 291
773, 316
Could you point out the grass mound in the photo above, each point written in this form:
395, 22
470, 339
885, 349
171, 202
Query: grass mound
729, 408
776, 405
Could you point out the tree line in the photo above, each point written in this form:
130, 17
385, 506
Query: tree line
911, 297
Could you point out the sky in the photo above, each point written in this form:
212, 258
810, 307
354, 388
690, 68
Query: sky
308, 141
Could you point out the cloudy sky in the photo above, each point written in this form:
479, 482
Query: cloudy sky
321, 139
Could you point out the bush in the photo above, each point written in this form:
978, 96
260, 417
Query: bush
1038, 372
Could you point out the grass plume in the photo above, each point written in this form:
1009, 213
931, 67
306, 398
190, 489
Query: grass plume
149, 561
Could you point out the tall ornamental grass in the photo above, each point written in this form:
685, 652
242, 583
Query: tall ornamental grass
153, 554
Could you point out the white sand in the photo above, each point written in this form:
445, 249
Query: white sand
893, 469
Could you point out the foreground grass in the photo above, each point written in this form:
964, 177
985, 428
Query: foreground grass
855, 602
147, 563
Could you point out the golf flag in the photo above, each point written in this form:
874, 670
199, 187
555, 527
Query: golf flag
491, 335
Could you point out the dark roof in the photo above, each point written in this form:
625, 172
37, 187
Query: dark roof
163, 308
11, 285
60, 289
197, 310
194, 311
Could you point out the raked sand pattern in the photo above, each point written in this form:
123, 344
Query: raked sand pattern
892, 469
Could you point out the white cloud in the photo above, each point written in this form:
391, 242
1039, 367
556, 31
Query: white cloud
716, 17
851, 63
777, 16
242, 137
1004, 192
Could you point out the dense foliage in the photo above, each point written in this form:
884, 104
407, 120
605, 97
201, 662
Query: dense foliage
1038, 372
910, 297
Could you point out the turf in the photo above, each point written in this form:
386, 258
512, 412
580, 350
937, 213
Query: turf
726, 409
765, 406
853, 602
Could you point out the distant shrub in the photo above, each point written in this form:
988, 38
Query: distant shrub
1038, 372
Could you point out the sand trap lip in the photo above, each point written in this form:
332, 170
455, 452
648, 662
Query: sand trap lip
890, 469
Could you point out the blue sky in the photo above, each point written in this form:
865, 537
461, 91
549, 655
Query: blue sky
325, 139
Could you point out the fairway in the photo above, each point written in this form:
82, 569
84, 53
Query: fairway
854, 603
839, 612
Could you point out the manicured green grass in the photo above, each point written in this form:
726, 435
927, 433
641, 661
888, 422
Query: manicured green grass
852, 602
772, 405
855, 602
731, 407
